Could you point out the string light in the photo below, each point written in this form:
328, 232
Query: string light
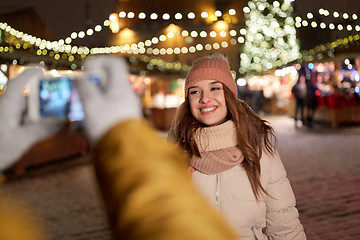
204, 14
166, 16
218, 13
153, 16
232, 12
268, 41
142, 15
328, 48
63, 45
191, 15
122, 14
130, 15
299, 22
45, 47
178, 16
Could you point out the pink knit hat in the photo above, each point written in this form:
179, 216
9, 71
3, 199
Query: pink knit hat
207, 68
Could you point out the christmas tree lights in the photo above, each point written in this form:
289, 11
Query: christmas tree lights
270, 39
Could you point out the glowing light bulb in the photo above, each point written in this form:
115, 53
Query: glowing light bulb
153, 16
191, 15
90, 32
204, 14
112, 17
122, 14
178, 16
166, 16
142, 15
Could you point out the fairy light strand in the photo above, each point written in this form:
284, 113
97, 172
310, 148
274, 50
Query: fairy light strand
58, 49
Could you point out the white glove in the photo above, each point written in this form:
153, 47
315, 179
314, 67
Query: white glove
114, 101
16, 135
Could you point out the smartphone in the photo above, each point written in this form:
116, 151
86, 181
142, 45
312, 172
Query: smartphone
59, 98
55, 97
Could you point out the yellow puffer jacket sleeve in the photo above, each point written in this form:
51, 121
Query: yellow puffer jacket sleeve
18, 221
147, 191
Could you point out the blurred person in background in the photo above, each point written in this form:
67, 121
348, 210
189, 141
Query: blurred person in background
147, 193
311, 101
300, 92
232, 158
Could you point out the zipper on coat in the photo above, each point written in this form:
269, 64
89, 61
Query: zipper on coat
217, 199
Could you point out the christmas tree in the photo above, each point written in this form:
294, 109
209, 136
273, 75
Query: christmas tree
270, 39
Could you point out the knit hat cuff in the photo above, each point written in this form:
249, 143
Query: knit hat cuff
210, 69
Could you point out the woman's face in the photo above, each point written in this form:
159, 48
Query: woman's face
207, 102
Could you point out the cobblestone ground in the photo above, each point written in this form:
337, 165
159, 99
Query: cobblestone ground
323, 166
65, 197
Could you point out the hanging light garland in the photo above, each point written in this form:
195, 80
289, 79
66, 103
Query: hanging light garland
328, 49
207, 15
48, 48
62, 48
26, 41
299, 22
177, 16
160, 64
16, 39
145, 46
143, 16
310, 21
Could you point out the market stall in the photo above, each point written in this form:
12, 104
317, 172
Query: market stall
338, 98
274, 88
338, 109
160, 99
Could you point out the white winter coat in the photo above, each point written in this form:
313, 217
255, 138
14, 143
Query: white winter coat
273, 217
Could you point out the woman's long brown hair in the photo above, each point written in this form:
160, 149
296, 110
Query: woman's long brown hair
253, 135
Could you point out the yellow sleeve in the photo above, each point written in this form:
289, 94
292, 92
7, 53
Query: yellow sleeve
17, 221
147, 191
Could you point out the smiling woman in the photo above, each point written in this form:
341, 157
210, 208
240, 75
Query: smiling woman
232, 157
